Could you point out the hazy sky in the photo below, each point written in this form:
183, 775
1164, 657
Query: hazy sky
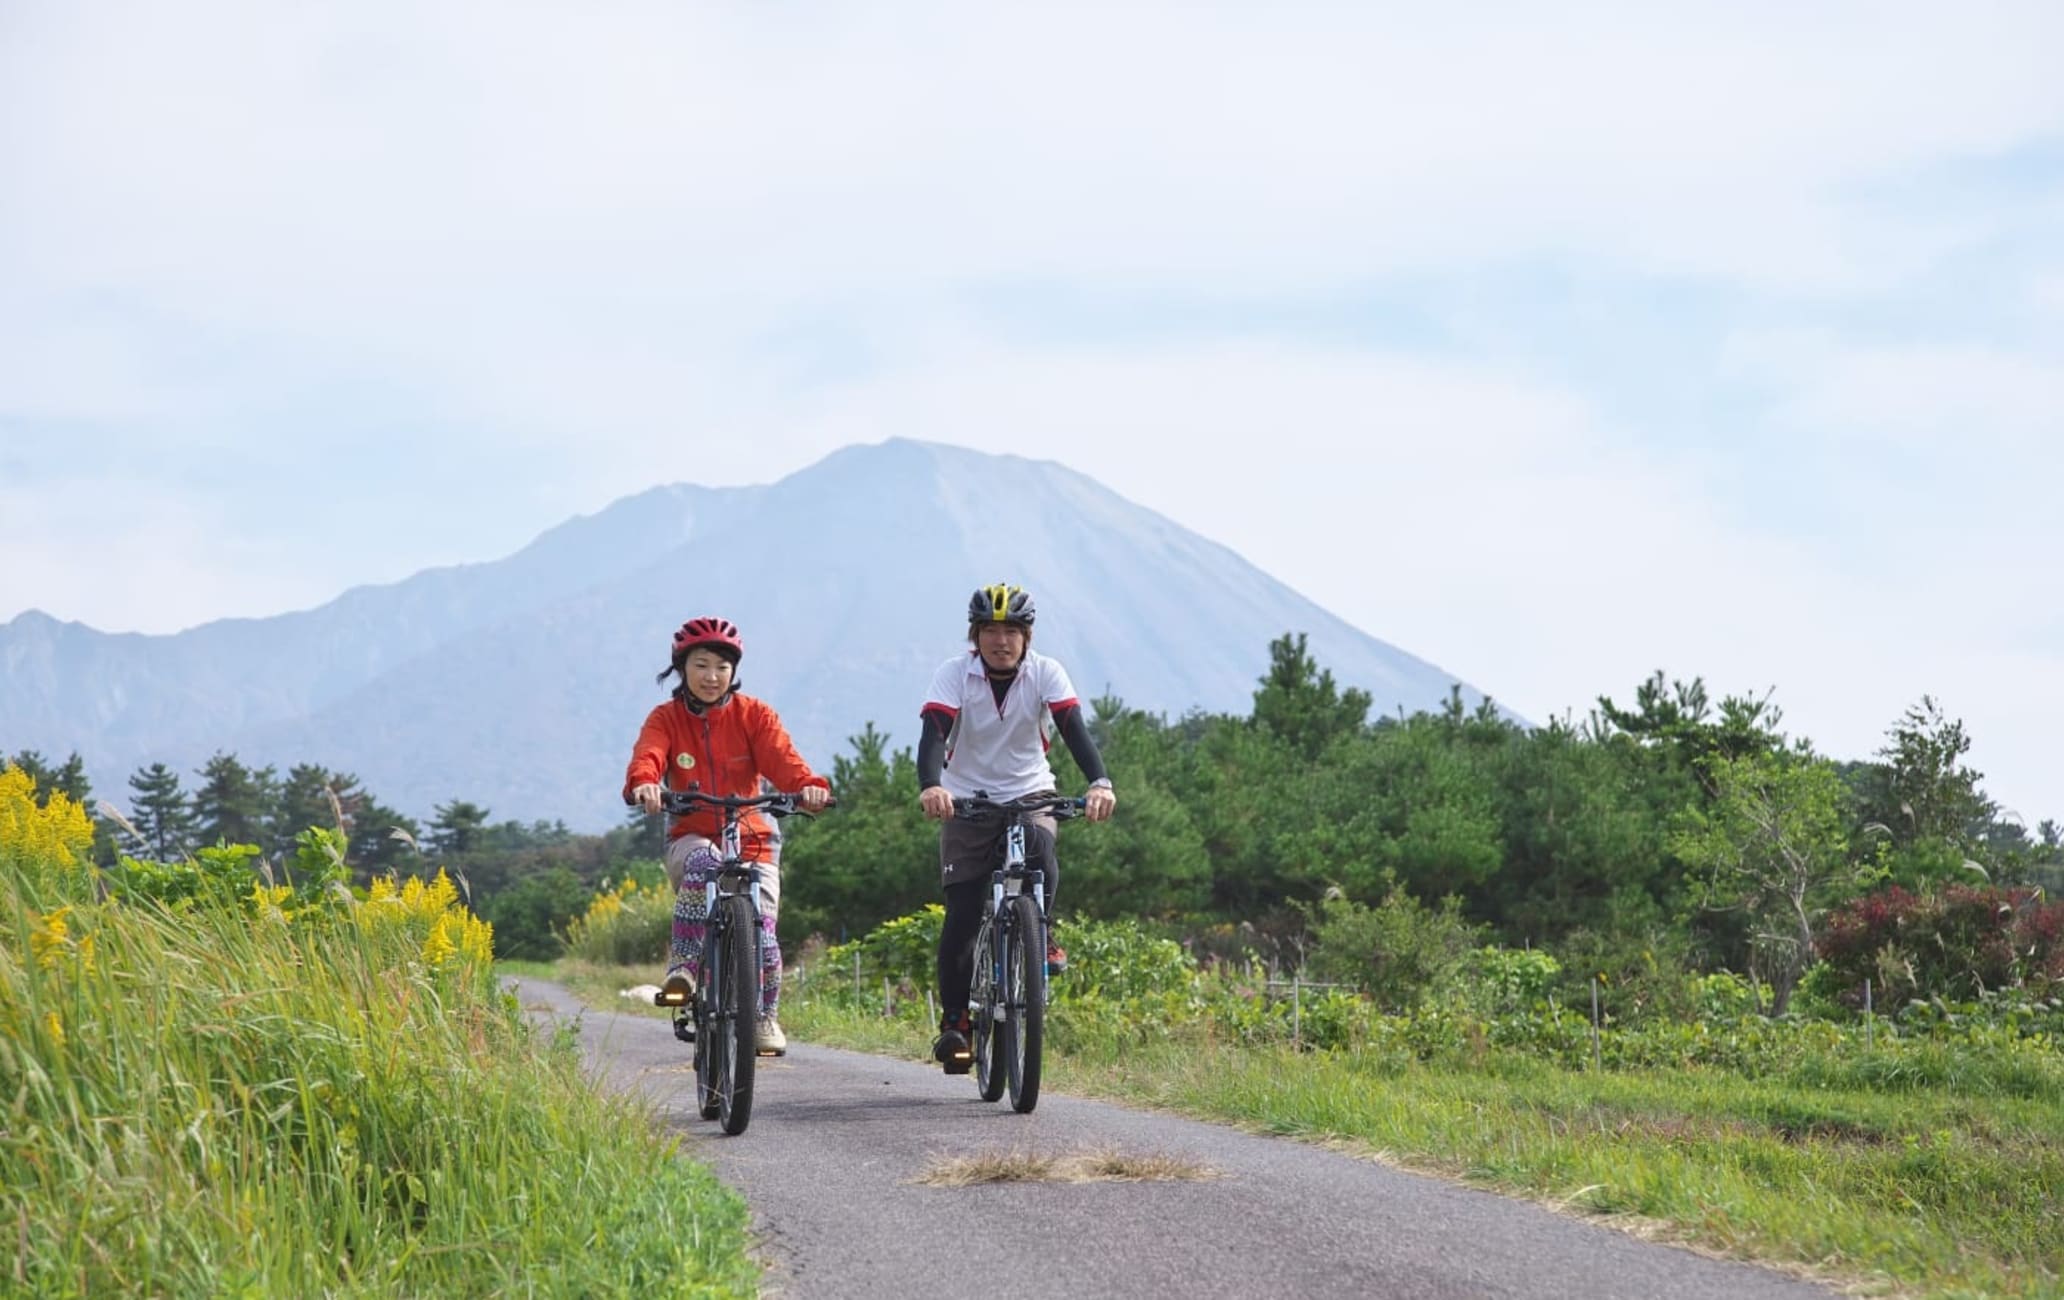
1555, 344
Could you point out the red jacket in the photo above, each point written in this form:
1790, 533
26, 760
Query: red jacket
724, 750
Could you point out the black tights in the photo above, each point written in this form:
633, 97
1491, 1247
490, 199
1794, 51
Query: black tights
957, 939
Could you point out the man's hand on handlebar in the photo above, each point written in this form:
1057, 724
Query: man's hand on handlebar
813, 797
647, 798
937, 804
1099, 802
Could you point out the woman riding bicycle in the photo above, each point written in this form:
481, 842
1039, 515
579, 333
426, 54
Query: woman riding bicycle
721, 742
985, 729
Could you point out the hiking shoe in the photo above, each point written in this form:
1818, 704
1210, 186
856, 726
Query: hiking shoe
950, 1048
1056, 958
768, 1040
678, 991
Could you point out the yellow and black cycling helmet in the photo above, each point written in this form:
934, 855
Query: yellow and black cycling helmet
1001, 604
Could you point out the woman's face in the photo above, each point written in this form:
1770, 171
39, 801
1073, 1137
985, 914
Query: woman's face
707, 673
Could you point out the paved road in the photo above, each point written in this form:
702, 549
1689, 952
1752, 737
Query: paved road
838, 1137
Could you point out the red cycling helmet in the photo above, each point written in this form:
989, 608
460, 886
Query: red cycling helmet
719, 634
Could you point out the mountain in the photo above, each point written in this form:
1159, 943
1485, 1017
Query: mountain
519, 684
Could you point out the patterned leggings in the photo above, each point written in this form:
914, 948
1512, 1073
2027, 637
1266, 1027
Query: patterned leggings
691, 918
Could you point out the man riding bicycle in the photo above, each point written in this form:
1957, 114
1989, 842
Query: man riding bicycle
986, 725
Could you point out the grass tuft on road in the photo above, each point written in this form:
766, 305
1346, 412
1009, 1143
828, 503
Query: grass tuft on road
1087, 1165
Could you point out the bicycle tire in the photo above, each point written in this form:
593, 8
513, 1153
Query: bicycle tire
709, 1053
1025, 997
989, 1058
738, 1011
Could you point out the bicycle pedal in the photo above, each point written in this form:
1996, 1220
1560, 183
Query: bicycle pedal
957, 1066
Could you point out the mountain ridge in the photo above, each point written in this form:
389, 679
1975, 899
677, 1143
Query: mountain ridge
519, 683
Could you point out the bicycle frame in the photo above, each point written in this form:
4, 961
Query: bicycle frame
731, 869
1007, 881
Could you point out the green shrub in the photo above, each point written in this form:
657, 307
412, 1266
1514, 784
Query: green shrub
1120, 960
531, 916
1400, 950
1505, 980
905, 952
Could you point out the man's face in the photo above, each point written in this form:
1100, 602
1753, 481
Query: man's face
1002, 645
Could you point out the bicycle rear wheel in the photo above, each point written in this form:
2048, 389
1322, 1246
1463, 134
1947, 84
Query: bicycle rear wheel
1024, 976
983, 1000
738, 1011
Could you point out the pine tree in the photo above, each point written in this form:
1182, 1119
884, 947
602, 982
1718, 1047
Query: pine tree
234, 804
457, 826
161, 811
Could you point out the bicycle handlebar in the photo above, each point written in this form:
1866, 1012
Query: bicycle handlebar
1062, 806
679, 802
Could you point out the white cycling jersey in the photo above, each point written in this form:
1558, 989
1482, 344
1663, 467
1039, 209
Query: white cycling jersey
999, 749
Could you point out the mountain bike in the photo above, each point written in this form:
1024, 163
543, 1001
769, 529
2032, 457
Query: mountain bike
724, 1014
1007, 995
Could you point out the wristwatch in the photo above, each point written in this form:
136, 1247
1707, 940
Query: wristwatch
1101, 783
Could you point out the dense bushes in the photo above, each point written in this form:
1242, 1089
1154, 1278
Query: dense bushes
1128, 987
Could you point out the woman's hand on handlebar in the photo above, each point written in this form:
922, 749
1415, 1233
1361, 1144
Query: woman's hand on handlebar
646, 797
937, 804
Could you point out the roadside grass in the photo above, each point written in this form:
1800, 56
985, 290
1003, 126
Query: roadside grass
256, 1098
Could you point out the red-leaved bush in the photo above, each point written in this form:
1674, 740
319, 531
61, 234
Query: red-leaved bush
1955, 943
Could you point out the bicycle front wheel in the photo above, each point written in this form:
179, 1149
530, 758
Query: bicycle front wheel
1025, 1000
738, 1011
985, 999
712, 1054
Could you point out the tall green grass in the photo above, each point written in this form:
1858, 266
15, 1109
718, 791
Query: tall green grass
294, 1096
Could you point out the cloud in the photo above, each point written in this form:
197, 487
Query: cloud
433, 279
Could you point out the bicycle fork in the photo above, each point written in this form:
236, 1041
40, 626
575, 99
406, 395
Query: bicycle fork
1002, 917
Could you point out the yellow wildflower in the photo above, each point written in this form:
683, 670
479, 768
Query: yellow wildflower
59, 834
438, 948
478, 942
443, 893
50, 937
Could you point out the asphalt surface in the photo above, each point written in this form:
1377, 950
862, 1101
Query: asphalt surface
838, 1139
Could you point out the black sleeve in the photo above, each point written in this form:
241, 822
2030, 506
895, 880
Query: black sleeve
933, 728
1075, 732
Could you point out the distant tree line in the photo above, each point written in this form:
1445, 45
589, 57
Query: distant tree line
1668, 830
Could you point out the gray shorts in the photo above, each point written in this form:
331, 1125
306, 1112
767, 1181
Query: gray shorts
969, 849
